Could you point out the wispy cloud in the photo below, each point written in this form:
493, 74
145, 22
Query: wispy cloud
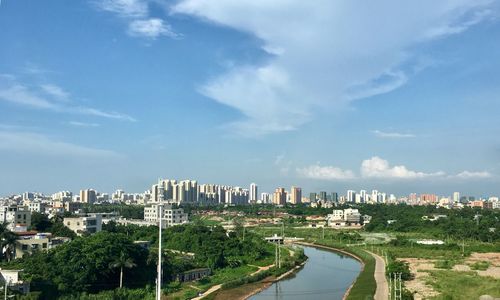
473, 175
39, 144
314, 62
151, 28
124, 8
136, 13
23, 95
396, 135
325, 173
83, 124
55, 91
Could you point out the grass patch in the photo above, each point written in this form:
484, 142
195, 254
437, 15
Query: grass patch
444, 264
451, 285
480, 265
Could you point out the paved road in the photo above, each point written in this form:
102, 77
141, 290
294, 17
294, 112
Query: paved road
382, 291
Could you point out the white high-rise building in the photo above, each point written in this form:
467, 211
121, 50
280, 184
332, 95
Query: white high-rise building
351, 196
374, 196
362, 195
265, 198
456, 197
253, 192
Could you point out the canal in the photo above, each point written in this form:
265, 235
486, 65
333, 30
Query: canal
326, 275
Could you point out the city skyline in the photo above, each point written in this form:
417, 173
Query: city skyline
110, 94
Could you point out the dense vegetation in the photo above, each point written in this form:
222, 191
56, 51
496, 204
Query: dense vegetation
92, 264
466, 223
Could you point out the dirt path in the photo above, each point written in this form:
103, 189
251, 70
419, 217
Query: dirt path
382, 291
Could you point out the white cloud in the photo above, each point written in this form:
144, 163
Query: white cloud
473, 175
150, 28
396, 135
379, 168
39, 144
14, 92
323, 53
325, 173
20, 94
83, 124
55, 91
136, 12
124, 8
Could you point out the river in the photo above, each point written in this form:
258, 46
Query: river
326, 276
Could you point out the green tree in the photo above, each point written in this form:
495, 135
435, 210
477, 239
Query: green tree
122, 262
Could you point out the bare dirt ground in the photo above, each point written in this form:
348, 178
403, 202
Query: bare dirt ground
493, 258
419, 268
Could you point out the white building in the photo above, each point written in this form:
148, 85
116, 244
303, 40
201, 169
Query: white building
171, 216
344, 217
253, 192
15, 216
86, 224
351, 196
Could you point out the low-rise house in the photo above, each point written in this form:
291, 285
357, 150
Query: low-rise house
275, 239
15, 216
11, 279
29, 242
171, 216
194, 274
346, 217
84, 224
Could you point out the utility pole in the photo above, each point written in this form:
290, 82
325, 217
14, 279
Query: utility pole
158, 280
390, 286
276, 256
400, 288
6, 286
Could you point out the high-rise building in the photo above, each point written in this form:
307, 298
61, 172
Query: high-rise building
279, 197
456, 197
335, 197
265, 198
362, 196
351, 196
253, 192
312, 197
88, 196
296, 195
322, 196
374, 196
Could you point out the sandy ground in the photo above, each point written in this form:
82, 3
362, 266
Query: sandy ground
418, 267
417, 284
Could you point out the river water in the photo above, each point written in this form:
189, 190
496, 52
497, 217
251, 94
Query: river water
326, 276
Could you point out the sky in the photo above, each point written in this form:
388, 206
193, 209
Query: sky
399, 96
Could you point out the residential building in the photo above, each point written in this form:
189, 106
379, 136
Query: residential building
15, 216
88, 196
312, 197
84, 224
296, 195
253, 192
29, 242
171, 216
279, 197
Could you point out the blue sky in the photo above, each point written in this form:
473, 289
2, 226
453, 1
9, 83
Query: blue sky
330, 95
